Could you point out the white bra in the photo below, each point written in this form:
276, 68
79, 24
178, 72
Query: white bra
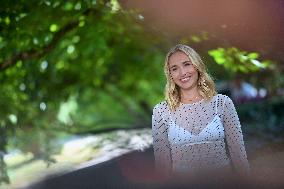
213, 131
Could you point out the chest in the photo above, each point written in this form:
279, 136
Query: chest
213, 131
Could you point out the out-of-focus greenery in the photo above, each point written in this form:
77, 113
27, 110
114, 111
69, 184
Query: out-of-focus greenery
82, 52
74, 66
249, 67
247, 62
264, 116
88, 65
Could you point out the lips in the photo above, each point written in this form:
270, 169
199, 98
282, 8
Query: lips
185, 79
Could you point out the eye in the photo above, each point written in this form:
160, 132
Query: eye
188, 64
174, 69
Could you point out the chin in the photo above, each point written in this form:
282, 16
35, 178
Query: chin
187, 86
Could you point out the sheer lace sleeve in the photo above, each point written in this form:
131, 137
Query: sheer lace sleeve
234, 138
162, 150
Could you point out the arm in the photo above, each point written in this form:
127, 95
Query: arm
162, 150
234, 138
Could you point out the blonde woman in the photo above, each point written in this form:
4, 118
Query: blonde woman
195, 129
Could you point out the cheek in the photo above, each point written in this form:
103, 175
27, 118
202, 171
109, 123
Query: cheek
195, 74
194, 71
174, 75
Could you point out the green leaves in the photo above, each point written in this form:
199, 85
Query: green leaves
59, 49
68, 48
53, 28
237, 60
88, 65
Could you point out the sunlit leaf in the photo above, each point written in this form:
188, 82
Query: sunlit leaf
53, 28
253, 55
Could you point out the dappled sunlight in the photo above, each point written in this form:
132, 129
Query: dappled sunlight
15, 157
120, 143
76, 153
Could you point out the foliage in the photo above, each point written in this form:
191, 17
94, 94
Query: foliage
90, 57
93, 55
84, 65
237, 60
263, 116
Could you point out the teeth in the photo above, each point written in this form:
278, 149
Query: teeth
185, 79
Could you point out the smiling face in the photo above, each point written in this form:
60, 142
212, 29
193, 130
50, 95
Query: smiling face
182, 71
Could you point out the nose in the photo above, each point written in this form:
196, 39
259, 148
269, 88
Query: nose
182, 72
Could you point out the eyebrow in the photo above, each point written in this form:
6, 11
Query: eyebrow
181, 62
186, 61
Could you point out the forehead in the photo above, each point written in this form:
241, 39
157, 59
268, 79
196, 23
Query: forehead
178, 58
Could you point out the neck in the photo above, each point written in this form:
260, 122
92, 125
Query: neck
189, 93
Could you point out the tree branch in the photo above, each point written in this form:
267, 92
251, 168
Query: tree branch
35, 53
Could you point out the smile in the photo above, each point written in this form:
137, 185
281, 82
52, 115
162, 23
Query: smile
185, 79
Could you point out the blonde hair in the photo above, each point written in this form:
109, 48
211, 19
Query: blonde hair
206, 85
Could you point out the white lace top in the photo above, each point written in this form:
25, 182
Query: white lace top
193, 137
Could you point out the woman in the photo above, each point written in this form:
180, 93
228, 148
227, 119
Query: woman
195, 129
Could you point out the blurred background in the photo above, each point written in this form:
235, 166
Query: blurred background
79, 79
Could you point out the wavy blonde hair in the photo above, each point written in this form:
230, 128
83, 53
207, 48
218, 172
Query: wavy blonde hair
206, 86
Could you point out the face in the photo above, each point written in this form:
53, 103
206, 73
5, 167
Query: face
182, 71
